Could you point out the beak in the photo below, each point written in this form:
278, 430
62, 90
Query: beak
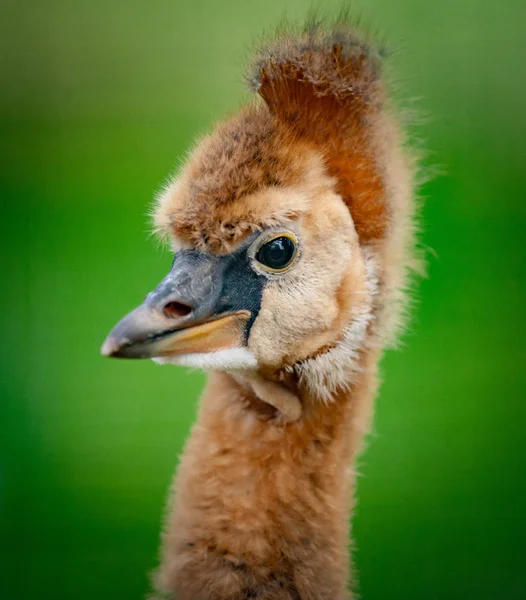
194, 309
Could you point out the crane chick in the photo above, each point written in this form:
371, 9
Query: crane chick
291, 225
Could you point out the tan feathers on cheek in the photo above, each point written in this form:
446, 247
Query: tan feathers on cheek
301, 311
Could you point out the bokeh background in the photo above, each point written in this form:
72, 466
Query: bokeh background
98, 103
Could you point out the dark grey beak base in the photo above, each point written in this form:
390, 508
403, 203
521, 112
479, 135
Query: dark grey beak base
202, 294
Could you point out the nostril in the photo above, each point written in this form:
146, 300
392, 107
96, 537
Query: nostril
176, 310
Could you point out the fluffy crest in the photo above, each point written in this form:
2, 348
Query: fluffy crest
324, 85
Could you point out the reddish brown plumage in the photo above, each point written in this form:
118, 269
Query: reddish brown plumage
325, 87
248, 153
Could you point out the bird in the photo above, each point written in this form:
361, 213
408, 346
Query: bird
293, 231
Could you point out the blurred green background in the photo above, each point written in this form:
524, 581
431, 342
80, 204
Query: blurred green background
99, 101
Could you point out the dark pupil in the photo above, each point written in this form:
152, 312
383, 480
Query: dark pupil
277, 253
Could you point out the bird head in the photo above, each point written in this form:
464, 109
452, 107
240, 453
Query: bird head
280, 223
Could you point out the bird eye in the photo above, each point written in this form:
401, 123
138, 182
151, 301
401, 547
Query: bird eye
277, 254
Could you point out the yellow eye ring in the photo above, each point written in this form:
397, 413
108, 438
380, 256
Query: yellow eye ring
278, 253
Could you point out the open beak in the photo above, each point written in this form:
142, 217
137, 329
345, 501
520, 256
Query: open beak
198, 307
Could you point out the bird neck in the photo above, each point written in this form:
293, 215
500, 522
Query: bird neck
262, 505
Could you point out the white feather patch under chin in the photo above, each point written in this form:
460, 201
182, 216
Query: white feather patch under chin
221, 360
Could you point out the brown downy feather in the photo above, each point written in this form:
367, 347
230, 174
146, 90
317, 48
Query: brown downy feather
325, 86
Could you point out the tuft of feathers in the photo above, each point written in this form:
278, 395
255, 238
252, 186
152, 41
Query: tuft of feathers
324, 84
335, 58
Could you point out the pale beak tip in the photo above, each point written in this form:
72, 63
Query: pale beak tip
110, 347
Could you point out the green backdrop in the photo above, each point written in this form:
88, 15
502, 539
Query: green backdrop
98, 102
